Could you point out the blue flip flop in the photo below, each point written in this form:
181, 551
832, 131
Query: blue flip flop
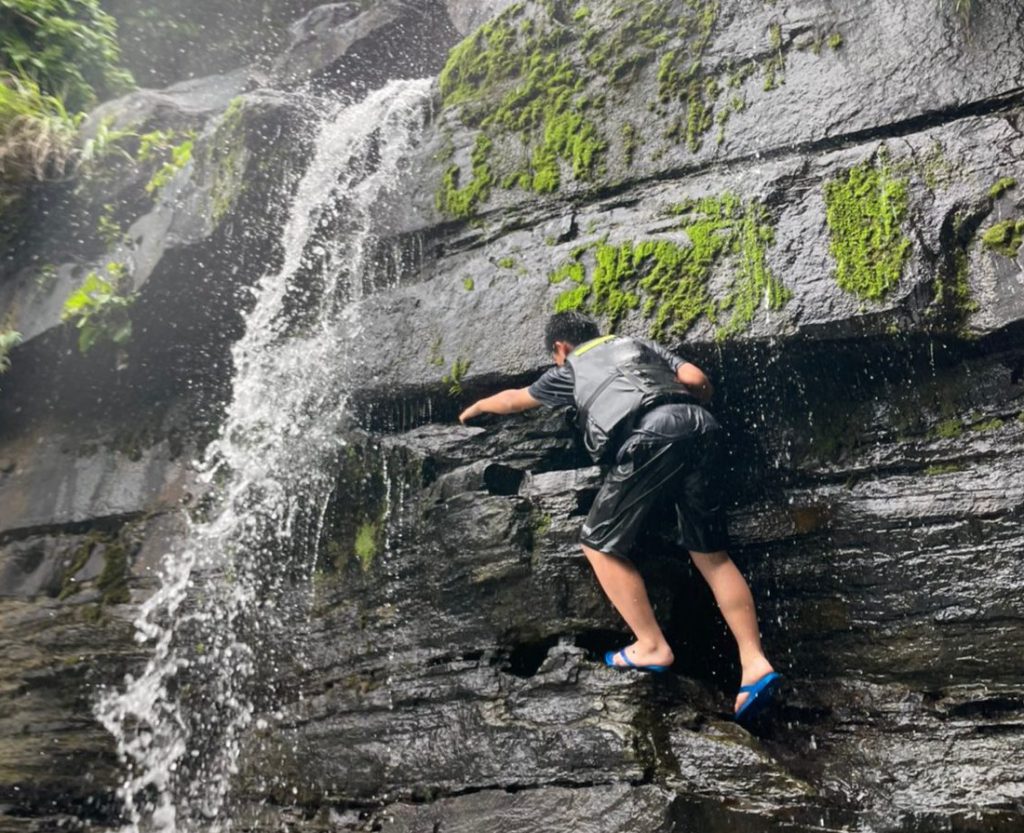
760, 694
609, 660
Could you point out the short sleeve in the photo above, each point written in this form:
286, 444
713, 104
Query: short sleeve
670, 358
554, 388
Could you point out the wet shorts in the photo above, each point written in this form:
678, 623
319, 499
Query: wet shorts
683, 475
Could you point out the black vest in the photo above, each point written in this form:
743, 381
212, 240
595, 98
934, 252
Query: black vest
617, 379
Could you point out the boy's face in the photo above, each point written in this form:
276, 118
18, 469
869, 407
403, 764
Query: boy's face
562, 349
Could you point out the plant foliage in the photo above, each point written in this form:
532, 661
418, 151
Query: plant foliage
36, 132
99, 309
9, 339
68, 47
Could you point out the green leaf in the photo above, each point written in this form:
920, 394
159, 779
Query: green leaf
86, 339
122, 333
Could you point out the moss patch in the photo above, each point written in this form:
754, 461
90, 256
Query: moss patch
865, 211
542, 107
943, 468
453, 378
112, 581
1001, 187
993, 424
365, 546
949, 429
225, 157
462, 201
1005, 238
668, 281
540, 80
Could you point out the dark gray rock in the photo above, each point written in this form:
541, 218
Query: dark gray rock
355, 47
435, 321
58, 485
795, 91
183, 39
467, 15
451, 679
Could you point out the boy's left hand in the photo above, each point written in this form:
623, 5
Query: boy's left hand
470, 412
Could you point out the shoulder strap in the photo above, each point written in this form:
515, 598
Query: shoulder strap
590, 345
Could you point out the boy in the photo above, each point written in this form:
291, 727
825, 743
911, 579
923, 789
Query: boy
640, 410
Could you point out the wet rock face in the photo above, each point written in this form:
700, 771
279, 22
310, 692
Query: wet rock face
356, 47
839, 190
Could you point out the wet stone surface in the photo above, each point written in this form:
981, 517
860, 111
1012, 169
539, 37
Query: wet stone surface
441, 670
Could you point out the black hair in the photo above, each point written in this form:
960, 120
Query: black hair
572, 327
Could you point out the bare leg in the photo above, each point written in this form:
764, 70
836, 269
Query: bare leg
737, 605
624, 586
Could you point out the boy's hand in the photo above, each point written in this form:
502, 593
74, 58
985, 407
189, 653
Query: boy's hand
470, 412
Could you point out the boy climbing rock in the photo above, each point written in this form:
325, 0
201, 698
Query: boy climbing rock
640, 410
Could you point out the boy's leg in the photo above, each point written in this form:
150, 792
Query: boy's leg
624, 586
732, 593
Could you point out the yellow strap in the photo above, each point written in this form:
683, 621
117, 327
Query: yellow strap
587, 345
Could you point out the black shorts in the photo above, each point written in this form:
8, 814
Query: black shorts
685, 473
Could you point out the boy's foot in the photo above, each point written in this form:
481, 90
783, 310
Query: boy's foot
641, 658
751, 674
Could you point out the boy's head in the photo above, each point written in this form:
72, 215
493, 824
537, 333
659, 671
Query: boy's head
567, 330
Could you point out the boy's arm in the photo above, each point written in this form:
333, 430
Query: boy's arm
510, 401
687, 373
695, 381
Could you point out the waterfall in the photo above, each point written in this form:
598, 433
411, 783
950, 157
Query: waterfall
209, 627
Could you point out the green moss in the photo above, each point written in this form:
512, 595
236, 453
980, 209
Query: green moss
668, 281
543, 107
572, 299
1005, 238
225, 157
572, 271
681, 78
630, 143
479, 61
541, 525
456, 373
835, 40
108, 229
9, 339
935, 169
542, 74
988, 425
1001, 187
532, 81
943, 468
180, 156
508, 262
954, 294
462, 202
468, 284
775, 66
864, 211
113, 579
949, 429
365, 546
435, 356
79, 558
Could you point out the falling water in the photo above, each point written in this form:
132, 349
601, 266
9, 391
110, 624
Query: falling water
209, 628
